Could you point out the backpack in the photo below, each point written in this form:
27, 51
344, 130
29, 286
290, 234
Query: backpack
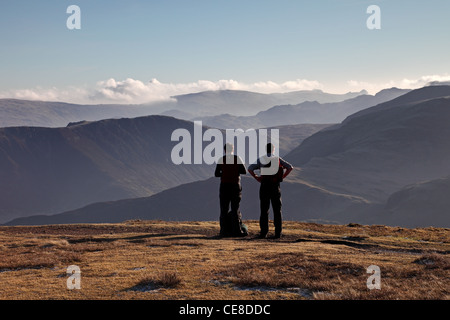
233, 225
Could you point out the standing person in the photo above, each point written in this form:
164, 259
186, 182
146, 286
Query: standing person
270, 191
229, 168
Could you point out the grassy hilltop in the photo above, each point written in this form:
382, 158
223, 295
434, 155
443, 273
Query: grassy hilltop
186, 260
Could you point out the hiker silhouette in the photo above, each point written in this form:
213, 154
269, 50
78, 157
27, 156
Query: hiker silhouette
270, 190
229, 168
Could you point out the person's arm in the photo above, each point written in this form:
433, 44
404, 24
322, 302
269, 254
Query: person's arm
252, 168
218, 172
257, 178
286, 173
287, 166
242, 169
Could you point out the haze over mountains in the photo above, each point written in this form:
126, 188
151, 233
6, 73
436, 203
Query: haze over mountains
245, 103
368, 169
310, 111
15, 112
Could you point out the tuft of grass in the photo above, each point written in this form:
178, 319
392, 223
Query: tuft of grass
164, 280
37, 260
434, 261
293, 270
169, 280
60, 243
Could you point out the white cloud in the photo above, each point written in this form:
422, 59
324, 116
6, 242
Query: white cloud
424, 80
48, 94
405, 83
295, 85
134, 91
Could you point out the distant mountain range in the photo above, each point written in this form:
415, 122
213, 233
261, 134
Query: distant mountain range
14, 113
26, 113
245, 103
388, 164
306, 112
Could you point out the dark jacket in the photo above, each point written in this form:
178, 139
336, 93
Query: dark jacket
229, 168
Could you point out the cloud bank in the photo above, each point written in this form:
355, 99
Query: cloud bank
374, 87
132, 91
136, 91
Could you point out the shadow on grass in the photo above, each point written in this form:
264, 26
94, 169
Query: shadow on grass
106, 239
175, 237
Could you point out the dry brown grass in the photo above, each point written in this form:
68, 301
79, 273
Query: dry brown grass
185, 260
164, 280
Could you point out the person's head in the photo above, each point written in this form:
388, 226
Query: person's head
228, 148
270, 148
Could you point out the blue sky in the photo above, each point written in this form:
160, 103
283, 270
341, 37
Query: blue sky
321, 44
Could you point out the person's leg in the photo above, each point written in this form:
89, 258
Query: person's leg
224, 197
276, 206
264, 202
236, 196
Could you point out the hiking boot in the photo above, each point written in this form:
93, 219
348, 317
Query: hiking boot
223, 235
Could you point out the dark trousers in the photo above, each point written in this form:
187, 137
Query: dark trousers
270, 193
230, 194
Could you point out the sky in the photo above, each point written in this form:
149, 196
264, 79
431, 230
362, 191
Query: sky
138, 51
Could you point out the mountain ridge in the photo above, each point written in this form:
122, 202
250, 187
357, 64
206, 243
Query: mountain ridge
53, 168
16, 112
304, 112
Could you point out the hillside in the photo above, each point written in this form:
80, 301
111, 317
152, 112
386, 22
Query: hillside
380, 151
422, 202
291, 136
49, 170
15, 113
159, 260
